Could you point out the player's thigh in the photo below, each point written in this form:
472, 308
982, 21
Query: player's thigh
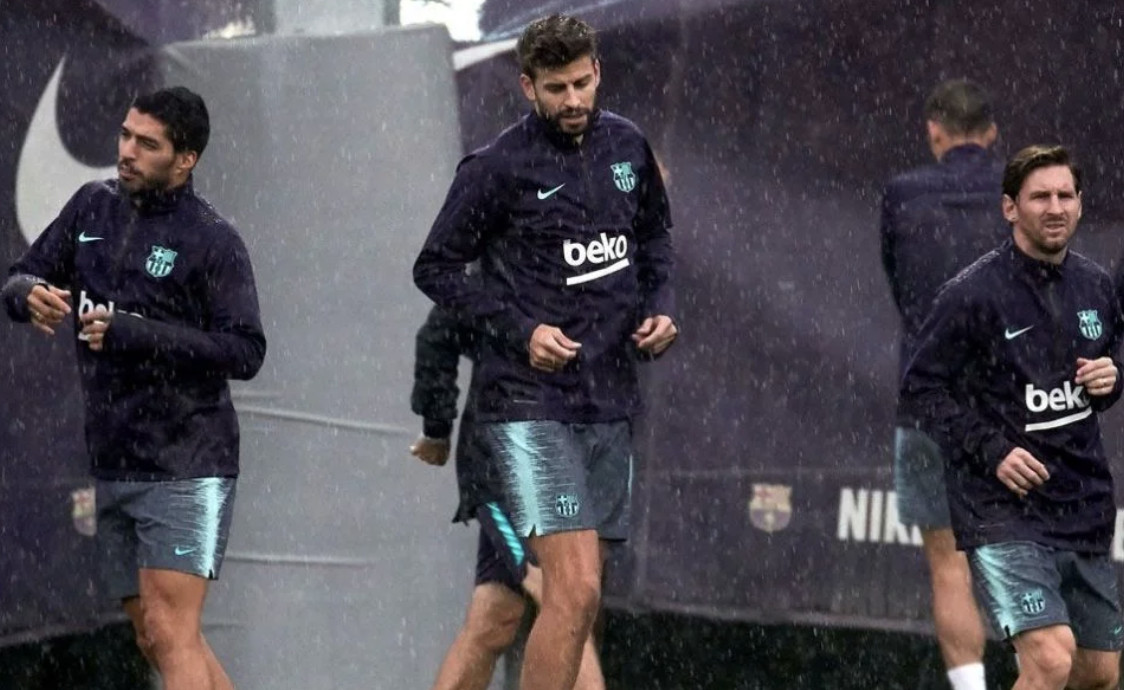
571, 560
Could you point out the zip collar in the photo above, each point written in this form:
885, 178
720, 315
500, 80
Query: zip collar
560, 139
1036, 269
158, 202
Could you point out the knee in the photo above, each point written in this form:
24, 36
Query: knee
144, 644
1051, 663
576, 592
495, 628
161, 631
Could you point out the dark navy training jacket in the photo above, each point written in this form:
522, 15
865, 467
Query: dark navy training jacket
994, 370
569, 235
177, 278
936, 220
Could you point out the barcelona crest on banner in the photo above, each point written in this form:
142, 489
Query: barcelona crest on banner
770, 509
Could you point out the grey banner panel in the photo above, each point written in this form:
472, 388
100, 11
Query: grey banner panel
332, 155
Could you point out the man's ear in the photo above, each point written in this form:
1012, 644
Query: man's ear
1010, 209
528, 85
991, 135
185, 161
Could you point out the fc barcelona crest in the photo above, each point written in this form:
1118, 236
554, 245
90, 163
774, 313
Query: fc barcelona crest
1033, 602
160, 262
1090, 323
567, 505
623, 177
770, 509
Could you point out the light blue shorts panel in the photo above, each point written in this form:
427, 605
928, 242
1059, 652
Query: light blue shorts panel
561, 477
919, 480
180, 525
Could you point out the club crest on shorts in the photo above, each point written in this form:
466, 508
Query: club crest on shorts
84, 511
623, 177
160, 262
770, 509
1090, 322
567, 505
1033, 603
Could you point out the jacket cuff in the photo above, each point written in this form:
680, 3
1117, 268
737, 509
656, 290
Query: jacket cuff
995, 449
16, 291
437, 428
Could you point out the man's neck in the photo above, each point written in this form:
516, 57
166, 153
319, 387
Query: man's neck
957, 142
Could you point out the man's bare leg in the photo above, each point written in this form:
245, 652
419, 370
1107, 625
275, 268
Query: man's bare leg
219, 679
1045, 657
489, 628
571, 569
590, 676
1094, 670
132, 606
960, 630
171, 609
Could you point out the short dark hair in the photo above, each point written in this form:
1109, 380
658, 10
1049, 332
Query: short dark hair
1032, 158
962, 107
554, 42
184, 115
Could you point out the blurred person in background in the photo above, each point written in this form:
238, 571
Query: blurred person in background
936, 220
505, 570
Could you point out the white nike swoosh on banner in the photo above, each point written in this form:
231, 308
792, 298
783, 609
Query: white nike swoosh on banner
47, 175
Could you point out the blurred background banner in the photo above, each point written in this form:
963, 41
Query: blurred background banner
763, 490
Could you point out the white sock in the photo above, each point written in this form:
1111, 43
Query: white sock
967, 677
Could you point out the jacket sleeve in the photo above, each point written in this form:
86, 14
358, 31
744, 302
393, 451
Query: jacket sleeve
437, 352
1112, 349
472, 215
230, 345
654, 254
929, 387
49, 260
